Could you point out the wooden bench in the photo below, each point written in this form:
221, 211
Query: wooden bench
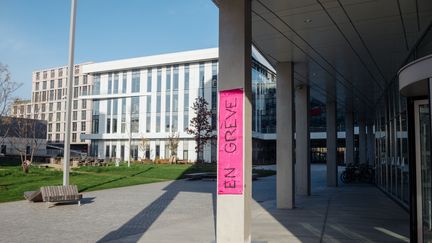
61, 194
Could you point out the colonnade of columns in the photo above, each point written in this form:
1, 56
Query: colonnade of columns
292, 103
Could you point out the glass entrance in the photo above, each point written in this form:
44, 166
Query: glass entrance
423, 170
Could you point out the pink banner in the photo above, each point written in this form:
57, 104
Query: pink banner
230, 142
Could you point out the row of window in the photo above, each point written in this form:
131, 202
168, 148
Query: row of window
172, 80
111, 151
56, 138
59, 83
59, 94
52, 73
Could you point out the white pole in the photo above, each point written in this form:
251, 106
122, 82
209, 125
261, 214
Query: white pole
66, 151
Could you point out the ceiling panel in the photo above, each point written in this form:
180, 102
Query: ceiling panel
356, 44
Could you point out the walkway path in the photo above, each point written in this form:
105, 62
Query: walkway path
183, 211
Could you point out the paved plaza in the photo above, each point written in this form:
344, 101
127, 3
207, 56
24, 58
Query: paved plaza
183, 211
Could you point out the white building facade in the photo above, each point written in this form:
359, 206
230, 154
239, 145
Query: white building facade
150, 98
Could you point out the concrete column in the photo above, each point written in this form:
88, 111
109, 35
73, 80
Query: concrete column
370, 144
233, 220
285, 136
302, 152
362, 141
349, 137
332, 174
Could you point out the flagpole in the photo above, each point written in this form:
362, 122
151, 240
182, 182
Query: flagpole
67, 138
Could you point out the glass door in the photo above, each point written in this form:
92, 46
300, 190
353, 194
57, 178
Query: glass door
423, 170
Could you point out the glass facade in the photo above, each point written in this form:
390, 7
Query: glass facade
263, 99
391, 145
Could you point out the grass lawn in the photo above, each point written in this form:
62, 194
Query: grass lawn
13, 182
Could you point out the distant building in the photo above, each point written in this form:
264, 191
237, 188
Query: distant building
19, 136
49, 88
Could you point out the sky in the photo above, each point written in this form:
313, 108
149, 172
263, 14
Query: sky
34, 34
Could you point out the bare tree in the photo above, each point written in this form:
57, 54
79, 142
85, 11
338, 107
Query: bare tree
7, 87
173, 141
26, 136
143, 146
200, 126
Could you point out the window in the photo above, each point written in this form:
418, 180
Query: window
60, 72
74, 126
176, 78
84, 90
58, 105
167, 123
109, 83
148, 122
201, 79
75, 104
123, 125
115, 106
123, 111
107, 151
114, 125
124, 84
148, 103
74, 137
52, 73
175, 102
149, 80
51, 84
109, 107
135, 105
75, 92
135, 124
108, 125
50, 116
3, 149
114, 151
51, 95
58, 116
44, 85
167, 103
135, 81
158, 103
83, 126
76, 81
37, 75
50, 106
95, 124
83, 115
45, 74
37, 86
75, 115
168, 79
116, 83
59, 94
57, 127
85, 79
157, 122
84, 104
57, 137
59, 83
96, 84
50, 127
159, 80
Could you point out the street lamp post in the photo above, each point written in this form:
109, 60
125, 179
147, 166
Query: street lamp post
66, 151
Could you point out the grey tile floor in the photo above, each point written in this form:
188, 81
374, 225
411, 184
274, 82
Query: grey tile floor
183, 211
